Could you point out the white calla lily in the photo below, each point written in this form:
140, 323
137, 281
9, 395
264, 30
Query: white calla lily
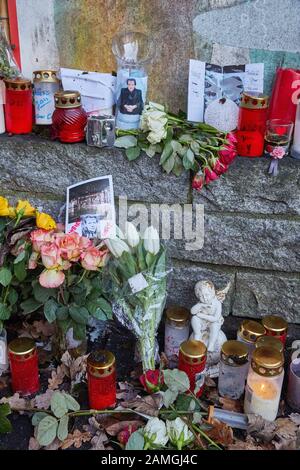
155, 433
179, 433
132, 235
117, 247
151, 240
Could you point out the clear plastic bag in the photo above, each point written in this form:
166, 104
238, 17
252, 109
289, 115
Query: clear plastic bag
8, 65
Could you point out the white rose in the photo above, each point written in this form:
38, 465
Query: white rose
132, 235
155, 137
179, 433
155, 433
151, 240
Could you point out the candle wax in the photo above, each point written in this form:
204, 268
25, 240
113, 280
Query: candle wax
262, 398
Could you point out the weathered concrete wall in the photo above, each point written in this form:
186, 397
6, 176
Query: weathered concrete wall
252, 221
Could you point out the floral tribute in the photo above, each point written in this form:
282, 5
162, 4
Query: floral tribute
183, 145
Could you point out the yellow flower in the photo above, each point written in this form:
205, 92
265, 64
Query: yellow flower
12, 212
26, 207
45, 221
4, 210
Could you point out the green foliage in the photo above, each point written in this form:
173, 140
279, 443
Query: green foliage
5, 277
136, 441
5, 424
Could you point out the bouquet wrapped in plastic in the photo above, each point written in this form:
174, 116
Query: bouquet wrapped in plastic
138, 283
8, 66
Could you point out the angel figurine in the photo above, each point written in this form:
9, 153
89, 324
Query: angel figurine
207, 317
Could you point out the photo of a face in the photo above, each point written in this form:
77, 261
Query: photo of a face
131, 100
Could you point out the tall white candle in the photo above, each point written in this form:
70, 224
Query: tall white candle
262, 397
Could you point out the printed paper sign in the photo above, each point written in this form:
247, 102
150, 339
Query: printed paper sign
137, 283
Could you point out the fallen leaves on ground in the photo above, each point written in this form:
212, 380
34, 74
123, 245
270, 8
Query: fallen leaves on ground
248, 444
42, 401
115, 428
4, 382
284, 433
295, 417
126, 391
220, 432
57, 378
75, 369
33, 444
16, 402
76, 439
148, 405
99, 440
209, 382
231, 405
38, 329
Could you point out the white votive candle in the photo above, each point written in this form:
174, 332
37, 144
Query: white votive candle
3, 352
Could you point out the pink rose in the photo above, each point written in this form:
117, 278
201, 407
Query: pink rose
51, 256
198, 181
210, 175
278, 153
51, 278
84, 243
39, 237
69, 246
32, 263
92, 259
232, 139
220, 168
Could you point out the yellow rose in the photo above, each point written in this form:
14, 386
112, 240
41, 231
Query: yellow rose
12, 212
4, 210
45, 221
26, 207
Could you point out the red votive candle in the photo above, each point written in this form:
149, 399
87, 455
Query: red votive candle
192, 360
101, 369
276, 326
24, 366
69, 118
18, 106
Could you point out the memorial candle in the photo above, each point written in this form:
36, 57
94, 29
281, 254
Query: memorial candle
18, 105
276, 326
101, 369
249, 332
46, 83
24, 366
176, 331
192, 361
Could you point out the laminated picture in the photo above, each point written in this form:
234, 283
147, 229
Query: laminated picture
130, 100
90, 208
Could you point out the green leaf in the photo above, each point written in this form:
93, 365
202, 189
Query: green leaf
167, 152
151, 150
188, 159
50, 309
4, 312
21, 256
133, 153
58, 404
106, 307
5, 425
176, 380
178, 167
99, 308
62, 430
150, 259
79, 314
71, 403
136, 441
41, 294
5, 277
30, 305
185, 138
37, 417
62, 313
20, 271
169, 397
79, 331
141, 256
126, 142
46, 430
168, 165
12, 296
5, 409
64, 325
184, 401
195, 147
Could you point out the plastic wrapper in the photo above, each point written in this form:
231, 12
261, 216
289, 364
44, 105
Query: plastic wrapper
8, 66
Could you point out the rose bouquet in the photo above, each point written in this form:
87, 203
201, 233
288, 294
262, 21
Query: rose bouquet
183, 145
137, 281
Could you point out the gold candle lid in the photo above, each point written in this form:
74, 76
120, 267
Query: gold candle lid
49, 76
267, 361
270, 342
254, 101
67, 99
251, 330
18, 84
178, 315
234, 353
275, 323
101, 360
193, 349
21, 346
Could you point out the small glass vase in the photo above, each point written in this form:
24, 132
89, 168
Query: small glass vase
62, 342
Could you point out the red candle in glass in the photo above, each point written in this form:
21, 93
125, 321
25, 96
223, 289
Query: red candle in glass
18, 106
276, 326
252, 125
101, 369
24, 366
69, 118
192, 360
285, 95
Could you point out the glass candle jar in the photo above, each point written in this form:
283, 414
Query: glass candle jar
249, 332
2, 101
264, 383
177, 329
133, 52
295, 150
252, 125
192, 361
18, 105
277, 142
24, 366
276, 326
293, 391
269, 341
3, 351
101, 369
69, 118
233, 369
46, 84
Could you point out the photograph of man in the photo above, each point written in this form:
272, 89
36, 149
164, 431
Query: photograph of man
131, 100
89, 225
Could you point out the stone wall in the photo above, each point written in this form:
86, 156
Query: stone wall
252, 221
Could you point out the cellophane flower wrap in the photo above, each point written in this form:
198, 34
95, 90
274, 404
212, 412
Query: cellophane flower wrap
138, 285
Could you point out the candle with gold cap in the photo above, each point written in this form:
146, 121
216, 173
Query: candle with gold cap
24, 366
46, 83
269, 341
177, 330
276, 326
233, 369
249, 332
192, 360
101, 369
18, 105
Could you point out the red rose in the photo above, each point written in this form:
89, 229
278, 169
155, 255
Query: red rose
198, 181
125, 434
220, 168
152, 380
210, 175
231, 139
227, 155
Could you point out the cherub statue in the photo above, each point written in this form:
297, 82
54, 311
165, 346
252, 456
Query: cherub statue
207, 316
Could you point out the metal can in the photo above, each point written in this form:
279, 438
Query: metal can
18, 105
69, 118
24, 366
100, 131
46, 84
177, 329
192, 361
276, 326
101, 369
233, 369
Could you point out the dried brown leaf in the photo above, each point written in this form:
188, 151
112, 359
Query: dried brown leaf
57, 378
16, 402
126, 391
231, 405
148, 405
3, 382
33, 444
220, 433
42, 401
248, 444
74, 368
76, 439
98, 441
164, 361
115, 428
285, 428
295, 417
43, 328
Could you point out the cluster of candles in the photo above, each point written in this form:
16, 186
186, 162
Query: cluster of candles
52, 106
253, 363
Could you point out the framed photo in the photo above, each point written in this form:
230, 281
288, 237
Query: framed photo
91, 209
